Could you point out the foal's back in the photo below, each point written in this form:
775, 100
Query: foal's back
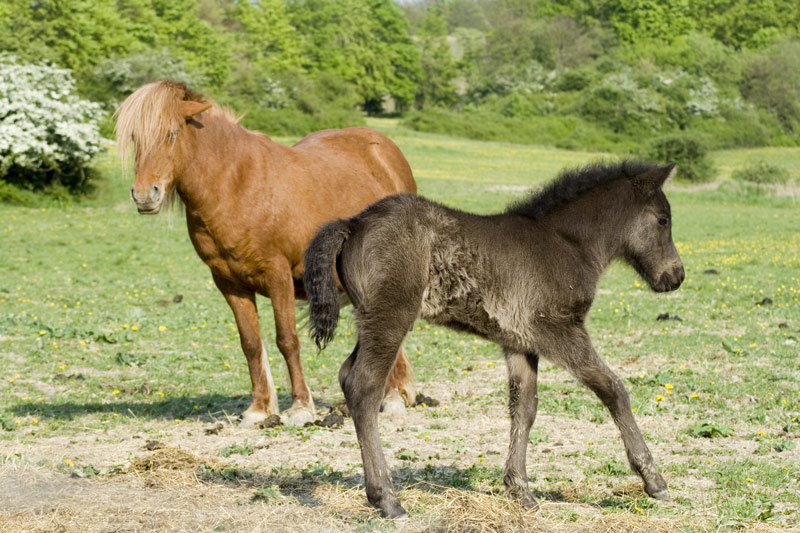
488, 275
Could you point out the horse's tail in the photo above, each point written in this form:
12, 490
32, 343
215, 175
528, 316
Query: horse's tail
319, 281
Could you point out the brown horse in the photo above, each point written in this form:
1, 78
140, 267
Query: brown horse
252, 206
524, 279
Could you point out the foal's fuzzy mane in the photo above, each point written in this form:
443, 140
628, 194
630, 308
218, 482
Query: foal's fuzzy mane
150, 113
572, 183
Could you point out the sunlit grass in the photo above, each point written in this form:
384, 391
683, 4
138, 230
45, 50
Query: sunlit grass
91, 337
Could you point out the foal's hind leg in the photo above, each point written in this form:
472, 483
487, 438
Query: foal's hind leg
363, 378
578, 356
523, 401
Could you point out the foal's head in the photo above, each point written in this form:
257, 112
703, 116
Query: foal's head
648, 245
156, 118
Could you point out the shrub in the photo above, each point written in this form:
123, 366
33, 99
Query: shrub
568, 132
689, 151
48, 135
771, 83
295, 104
759, 172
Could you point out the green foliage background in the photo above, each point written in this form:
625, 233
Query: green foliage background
601, 75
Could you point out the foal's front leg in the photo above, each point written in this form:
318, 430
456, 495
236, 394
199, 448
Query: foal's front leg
579, 357
523, 400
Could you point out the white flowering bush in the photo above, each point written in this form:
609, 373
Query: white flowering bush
48, 135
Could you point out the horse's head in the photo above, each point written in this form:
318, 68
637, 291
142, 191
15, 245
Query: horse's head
648, 241
155, 118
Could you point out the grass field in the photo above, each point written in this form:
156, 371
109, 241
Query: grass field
108, 385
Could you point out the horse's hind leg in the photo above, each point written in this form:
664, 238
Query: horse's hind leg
400, 390
363, 377
578, 355
523, 402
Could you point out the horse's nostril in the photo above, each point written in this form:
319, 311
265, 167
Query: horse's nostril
132, 195
156, 188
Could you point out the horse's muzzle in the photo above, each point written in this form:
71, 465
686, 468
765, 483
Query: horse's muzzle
670, 279
149, 202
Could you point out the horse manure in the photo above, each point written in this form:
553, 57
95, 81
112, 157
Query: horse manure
666, 316
426, 401
151, 445
783, 325
271, 421
215, 429
178, 298
331, 421
765, 301
711, 271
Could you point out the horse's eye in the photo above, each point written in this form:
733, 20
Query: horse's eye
662, 221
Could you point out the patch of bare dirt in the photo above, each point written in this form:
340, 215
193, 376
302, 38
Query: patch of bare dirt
154, 475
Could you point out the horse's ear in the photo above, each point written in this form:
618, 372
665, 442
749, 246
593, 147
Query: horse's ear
191, 108
649, 182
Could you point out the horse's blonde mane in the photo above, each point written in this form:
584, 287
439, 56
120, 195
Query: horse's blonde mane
150, 113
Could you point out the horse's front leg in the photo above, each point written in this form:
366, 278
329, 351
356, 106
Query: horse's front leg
280, 287
579, 357
523, 401
400, 389
243, 305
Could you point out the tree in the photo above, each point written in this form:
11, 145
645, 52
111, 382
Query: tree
365, 42
439, 69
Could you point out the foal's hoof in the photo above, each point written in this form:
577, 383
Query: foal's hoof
657, 488
298, 415
393, 404
660, 495
525, 499
394, 510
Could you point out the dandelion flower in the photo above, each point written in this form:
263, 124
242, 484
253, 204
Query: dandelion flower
162, 328
659, 398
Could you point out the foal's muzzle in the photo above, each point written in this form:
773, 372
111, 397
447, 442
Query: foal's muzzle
670, 279
148, 202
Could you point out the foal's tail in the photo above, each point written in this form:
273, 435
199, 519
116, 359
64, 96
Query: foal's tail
319, 282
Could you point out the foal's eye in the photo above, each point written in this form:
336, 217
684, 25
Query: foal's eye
662, 221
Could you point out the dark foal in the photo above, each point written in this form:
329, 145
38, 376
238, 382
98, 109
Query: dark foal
524, 279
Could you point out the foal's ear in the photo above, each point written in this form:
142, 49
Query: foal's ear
190, 108
649, 182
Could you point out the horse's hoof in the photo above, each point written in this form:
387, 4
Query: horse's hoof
298, 416
393, 404
251, 418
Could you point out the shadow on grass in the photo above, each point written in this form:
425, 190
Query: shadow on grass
204, 408
302, 486
431, 479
